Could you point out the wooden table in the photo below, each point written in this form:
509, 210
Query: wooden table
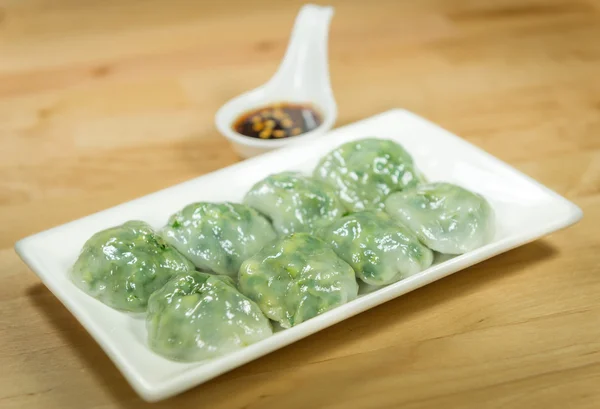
104, 101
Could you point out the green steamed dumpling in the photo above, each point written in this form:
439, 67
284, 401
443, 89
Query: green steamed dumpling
297, 278
445, 217
295, 203
218, 236
378, 249
122, 266
198, 316
366, 171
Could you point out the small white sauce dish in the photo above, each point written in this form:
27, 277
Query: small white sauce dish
302, 78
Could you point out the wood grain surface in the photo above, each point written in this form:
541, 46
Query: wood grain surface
104, 101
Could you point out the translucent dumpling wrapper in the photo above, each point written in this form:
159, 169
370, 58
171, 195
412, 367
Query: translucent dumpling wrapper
297, 278
366, 171
380, 250
218, 236
295, 203
445, 217
122, 266
198, 316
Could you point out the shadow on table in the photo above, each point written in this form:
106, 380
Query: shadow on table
247, 381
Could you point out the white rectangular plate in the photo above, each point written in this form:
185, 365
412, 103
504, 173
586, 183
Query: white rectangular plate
525, 210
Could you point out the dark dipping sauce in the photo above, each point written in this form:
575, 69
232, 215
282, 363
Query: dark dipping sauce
279, 120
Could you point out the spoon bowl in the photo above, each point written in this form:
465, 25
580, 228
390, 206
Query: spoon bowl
302, 78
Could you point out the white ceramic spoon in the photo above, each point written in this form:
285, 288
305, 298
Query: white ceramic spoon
302, 77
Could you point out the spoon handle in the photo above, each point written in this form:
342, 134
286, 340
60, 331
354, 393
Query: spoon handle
306, 61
